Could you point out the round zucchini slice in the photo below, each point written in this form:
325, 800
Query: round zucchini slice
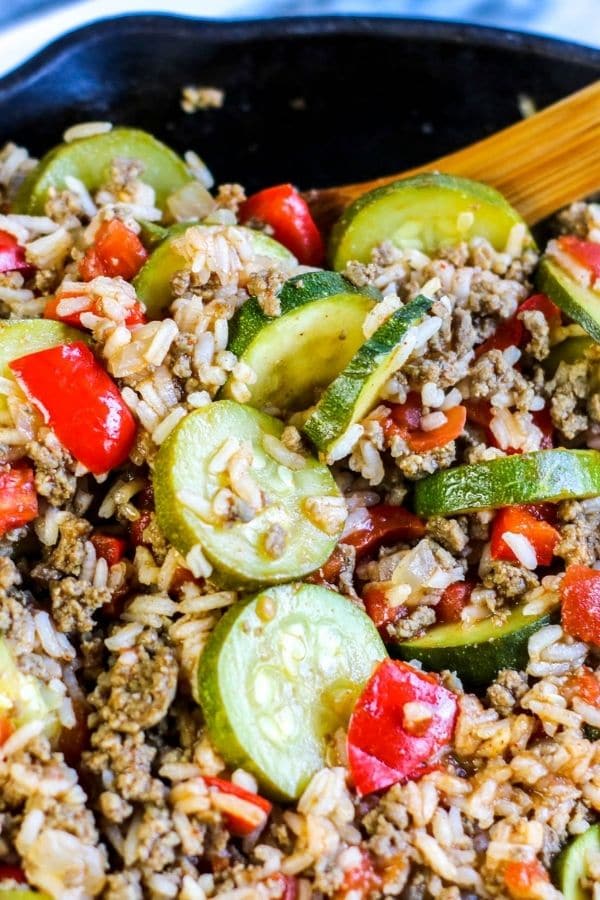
426, 212
18, 337
571, 865
291, 534
23, 697
356, 389
579, 302
89, 159
538, 477
280, 673
476, 652
153, 281
297, 354
17, 894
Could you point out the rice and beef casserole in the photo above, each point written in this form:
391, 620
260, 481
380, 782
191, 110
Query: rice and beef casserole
299, 569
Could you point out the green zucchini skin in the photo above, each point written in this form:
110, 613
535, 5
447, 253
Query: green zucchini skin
89, 158
297, 354
153, 282
477, 652
356, 389
570, 865
245, 650
421, 211
578, 302
541, 476
571, 350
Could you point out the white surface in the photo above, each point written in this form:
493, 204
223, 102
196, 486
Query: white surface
576, 20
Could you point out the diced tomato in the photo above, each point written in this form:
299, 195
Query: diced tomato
545, 512
378, 606
513, 332
117, 250
136, 315
384, 524
242, 810
12, 873
580, 603
518, 520
584, 684
289, 886
359, 880
541, 303
382, 749
586, 253
509, 333
6, 729
18, 497
454, 599
479, 412
138, 527
288, 214
12, 254
405, 420
109, 547
80, 402
523, 879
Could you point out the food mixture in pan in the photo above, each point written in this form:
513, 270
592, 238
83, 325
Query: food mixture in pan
300, 546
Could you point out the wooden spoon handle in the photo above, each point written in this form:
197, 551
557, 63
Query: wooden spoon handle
539, 164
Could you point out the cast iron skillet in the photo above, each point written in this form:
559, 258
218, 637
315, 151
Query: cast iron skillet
313, 100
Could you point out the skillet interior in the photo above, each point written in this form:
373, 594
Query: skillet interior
319, 101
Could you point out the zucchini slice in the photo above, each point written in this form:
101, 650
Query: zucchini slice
580, 303
298, 353
153, 281
571, 350
427, 212
476, 652
356, 389
23, 697
538, 477
89, 159
188, 476
280, 673
18, 337
570, 866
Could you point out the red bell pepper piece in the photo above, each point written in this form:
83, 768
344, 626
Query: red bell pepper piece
12, 873
6, 729
12, 254
117, 250
18, 497
80, 402
580, 603
242, 810
135, 316
109, 547
541, 303
381, 524
383, 747
518, 520
286, 211
452, 602
586, 253
379, 608
524, 879
405, 420
384, 524
509, 333
513, 332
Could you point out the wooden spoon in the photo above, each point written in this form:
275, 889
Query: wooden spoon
539, 164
